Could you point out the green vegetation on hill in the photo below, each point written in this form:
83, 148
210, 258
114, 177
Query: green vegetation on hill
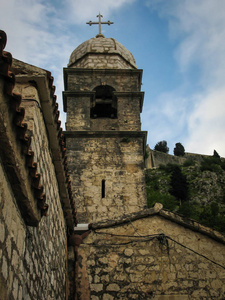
196, 191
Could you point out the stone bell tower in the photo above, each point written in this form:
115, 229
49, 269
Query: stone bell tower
105, 144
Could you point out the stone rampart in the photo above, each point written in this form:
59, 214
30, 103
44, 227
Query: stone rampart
157, 158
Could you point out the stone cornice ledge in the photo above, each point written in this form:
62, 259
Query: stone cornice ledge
85, 133
158, 210
88, 71
100, 71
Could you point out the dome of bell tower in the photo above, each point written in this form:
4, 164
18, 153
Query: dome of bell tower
102, 53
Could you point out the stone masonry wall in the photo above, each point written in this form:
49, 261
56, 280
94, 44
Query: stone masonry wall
156, 158
116, 159
129, 113
33, 260
78, 115
133, 262
106, 123
128, 102
87, 80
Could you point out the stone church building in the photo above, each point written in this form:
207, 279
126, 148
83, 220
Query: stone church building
74, 222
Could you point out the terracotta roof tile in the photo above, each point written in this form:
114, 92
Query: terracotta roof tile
62, 144
21, 129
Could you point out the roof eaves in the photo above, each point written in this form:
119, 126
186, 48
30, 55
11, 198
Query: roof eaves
15, 116
58, 143
49, 105
158, 210
192, 224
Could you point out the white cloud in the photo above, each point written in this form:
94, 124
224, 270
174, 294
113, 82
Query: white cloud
35, 35
85, 10
207, 124
27, 27
198, 27
166, 118
202, 25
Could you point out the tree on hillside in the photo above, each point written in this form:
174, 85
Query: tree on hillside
179, 184
162, 147
179, 149
215, 154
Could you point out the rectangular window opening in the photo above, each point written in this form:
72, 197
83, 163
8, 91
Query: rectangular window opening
103, 188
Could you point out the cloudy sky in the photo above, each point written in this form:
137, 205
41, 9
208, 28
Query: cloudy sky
179, 44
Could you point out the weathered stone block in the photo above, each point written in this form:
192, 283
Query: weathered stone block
96, 287
108, 297
113, 287
128, 252
5, 268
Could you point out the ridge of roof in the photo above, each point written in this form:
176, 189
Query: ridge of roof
158, 210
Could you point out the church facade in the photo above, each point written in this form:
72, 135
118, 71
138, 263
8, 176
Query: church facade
130, 251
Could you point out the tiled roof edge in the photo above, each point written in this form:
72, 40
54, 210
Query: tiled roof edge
158, 210
21, 128
62, 144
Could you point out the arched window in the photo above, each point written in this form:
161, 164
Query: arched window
105, 103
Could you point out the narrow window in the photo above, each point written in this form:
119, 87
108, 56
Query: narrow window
103, 188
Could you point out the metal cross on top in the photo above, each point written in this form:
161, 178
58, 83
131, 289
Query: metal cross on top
99, 16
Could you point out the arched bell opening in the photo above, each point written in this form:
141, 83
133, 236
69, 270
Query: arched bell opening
104, 105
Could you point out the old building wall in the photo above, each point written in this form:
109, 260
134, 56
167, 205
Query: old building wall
149, 258
88, 79
156, 158
78, 113
80, 95
116, 159
129, 112
33, 260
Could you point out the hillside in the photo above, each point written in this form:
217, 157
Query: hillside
195, 190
